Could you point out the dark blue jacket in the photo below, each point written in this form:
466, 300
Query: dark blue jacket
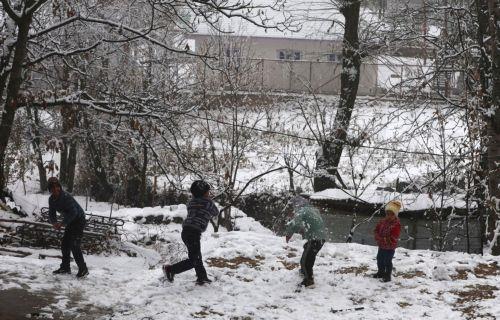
66, 205
200, 211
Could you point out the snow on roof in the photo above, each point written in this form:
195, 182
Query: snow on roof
315, 20
411, 201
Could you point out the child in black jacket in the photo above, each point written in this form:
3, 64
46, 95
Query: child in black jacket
200, 210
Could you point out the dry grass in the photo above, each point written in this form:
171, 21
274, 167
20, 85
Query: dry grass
289, 265
356, 270
403, 304
475, 293
244, 279
460, 275
410, 274
235, 262
467, 298
206, 312
483, 270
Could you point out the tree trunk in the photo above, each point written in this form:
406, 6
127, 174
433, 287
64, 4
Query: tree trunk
493, 126
36, 142
68, 164
488, 15
291, 187
71, 166
12, 94
331, 150
103, 191
144, 178
69, 152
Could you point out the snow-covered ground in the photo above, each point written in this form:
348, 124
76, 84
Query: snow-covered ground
255, 277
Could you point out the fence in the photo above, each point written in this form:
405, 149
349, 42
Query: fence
322, 77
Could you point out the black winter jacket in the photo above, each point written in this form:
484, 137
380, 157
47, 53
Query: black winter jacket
66, 205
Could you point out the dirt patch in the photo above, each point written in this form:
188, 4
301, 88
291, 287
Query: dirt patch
403, 304
235, 262
467, 298
475, 293
472, 313
22, 304
206, 312
16, 304
289, 265
410, 274
481, 271
484, 270
355, 270
461, 274
244, 279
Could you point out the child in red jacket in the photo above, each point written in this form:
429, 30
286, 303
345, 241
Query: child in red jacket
387, 234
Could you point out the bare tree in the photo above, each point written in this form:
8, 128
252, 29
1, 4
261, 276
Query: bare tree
30, 28
331, 149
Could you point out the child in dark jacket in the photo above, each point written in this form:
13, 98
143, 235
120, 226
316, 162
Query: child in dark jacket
387, 234
73, 222
200, 210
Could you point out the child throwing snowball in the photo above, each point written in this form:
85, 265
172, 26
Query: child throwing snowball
307, 221
200, 210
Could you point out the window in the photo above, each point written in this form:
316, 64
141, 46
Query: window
334, 57
289, 55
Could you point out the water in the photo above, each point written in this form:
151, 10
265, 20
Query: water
416, 233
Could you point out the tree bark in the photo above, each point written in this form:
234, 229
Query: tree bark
69, 151
36, 142
12, 95
103, 191
326, 174
488, 15
144, 177
493, 126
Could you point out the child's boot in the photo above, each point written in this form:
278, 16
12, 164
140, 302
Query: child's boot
167, 271
377, 275
201, 282
386, 277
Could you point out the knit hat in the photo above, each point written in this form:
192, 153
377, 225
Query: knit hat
394, 206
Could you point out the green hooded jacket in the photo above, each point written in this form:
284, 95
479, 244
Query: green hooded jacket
308, 222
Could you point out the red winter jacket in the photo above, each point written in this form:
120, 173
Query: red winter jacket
387, 233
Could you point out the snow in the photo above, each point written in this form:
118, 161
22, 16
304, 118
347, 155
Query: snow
255, 277
410, 201
297, 19
33, 202
167, 211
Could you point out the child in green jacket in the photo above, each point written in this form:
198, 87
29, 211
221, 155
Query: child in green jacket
308, 222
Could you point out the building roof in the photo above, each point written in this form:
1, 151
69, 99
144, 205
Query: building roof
299, 19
